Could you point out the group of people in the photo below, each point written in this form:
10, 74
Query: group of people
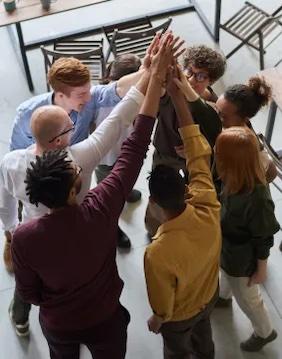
209, 211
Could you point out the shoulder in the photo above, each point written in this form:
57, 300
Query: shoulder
14, 164
261, 193
25, 232
13, 159
155, 250
105, 95
37, 101
260, 201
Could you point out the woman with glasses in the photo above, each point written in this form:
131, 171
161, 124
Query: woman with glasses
202, 67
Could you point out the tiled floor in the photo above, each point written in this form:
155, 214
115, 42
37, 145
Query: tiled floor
229, 325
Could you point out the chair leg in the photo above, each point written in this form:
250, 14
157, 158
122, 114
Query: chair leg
261, 51
242, 43
270, 121
217, 20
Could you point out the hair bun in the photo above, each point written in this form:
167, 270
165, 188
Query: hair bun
261, 89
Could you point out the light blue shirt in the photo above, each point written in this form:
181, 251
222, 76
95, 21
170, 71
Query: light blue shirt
101, 96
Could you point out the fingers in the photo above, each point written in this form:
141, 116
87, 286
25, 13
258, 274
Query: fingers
177, 45
167, 42
177, 82
176, 55
152, 49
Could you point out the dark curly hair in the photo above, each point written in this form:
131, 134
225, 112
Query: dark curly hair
204, 57
167, 187
249, 98
50, 179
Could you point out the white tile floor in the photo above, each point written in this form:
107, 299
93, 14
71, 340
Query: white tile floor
229, 325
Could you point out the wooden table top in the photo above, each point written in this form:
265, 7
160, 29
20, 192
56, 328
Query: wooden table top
32, 9
273, 77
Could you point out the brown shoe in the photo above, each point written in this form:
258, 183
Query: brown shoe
7, 256
256, 343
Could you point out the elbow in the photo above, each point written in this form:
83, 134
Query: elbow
271, 172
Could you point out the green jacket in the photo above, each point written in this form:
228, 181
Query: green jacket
248, 224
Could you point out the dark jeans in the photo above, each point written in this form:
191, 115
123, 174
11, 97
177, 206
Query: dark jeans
20, 309
105, 341
191, 338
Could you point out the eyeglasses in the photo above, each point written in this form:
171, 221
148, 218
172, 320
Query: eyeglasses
62, 133
199, 76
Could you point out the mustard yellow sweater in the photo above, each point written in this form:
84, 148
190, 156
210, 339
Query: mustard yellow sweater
182, 263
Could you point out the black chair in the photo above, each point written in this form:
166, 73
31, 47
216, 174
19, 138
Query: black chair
88, 52
254, 27
133, 37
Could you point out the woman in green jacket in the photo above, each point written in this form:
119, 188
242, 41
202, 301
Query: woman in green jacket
248, 225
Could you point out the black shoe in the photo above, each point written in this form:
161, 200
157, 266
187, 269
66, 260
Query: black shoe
223, 303
134, 196
21, 329
123, 241
280, 246
256, 343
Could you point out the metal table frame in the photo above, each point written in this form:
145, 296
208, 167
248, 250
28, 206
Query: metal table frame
191, 5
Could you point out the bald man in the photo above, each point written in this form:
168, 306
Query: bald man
52, 129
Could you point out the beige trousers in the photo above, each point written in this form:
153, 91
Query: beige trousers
249, 300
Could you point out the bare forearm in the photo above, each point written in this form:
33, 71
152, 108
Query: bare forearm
190, 94
143, 82
182, 111
150, 105
261, 265
124, 83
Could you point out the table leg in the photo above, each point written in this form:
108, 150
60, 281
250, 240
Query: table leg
213, 29
24, 57
217, 20
270, 121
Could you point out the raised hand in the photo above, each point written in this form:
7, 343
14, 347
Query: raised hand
163, 57
177, 43
184, 85
152, 49
171, 87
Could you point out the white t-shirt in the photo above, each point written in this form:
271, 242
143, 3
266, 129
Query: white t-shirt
87, 154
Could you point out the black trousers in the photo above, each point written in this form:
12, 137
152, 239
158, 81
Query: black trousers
191, 338
20, 309
105, 341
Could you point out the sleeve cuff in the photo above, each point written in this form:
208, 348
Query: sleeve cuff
189, 131
135, 95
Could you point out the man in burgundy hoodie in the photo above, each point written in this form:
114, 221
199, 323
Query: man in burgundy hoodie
58, 263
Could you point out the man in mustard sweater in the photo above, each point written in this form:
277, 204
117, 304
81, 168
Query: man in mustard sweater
182, 263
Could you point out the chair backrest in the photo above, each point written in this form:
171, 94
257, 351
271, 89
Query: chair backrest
250, 20
124, 40
93, 58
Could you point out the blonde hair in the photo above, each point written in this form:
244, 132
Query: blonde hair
68, 72
237, 160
